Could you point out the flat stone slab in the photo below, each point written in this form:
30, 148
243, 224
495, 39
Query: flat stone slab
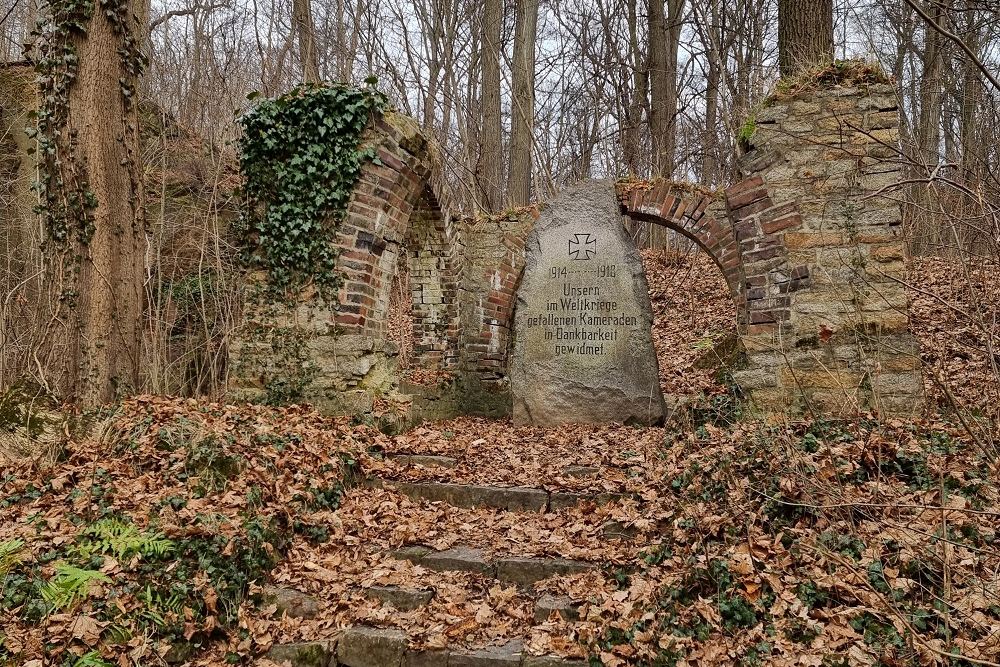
304, 654
507, 655
371, 647
426, 460
291, 602
526, 571
583, 344
563, 499
581, 471
552, 661
563, 605
460, 559
404, 599
469, 495
426, 658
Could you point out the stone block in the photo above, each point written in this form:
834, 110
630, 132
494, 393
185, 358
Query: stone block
562, 605
552, 661
526, 571
458, 559
897, 383
304, 654
291, 602
888, 252
404, 599
470, 495
832, 378
756, 378
426, 658
583, 347
798, 240
506, 655
371, 647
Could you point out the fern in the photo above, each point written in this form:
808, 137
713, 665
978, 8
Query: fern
10, 555
92, 659
69, 585
122, 540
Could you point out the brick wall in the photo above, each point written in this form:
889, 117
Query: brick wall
399, 208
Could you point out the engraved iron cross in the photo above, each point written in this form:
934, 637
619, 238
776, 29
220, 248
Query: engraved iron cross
582, 244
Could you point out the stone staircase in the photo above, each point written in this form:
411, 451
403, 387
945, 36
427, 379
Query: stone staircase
364, 646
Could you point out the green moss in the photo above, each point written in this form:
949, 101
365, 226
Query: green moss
745, 134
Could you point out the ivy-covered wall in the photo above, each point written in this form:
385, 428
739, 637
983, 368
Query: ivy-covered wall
337, 352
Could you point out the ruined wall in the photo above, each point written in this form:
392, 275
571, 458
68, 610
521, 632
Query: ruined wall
808, 243
461, 275
826, 324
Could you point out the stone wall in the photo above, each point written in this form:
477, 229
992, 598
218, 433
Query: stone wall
826, 323
807, 242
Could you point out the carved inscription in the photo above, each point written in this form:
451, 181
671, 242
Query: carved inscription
583, 315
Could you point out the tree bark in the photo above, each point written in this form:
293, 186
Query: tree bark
805, 34
523, 103
640, 92
95, 278
929, 129
664, 41
490, 167
306, 30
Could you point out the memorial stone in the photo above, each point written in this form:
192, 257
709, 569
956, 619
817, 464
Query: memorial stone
583, 349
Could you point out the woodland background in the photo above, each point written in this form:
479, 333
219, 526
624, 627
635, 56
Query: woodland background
523, 97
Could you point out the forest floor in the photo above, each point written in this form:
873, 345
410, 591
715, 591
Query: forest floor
176, 529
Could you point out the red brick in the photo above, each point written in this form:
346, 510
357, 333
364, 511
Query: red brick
781, 223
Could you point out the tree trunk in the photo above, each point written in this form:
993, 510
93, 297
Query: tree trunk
710, 158
95, 278
490, 167
302, 18
929, 130
640, 91
805, 34
523, 103
664, 41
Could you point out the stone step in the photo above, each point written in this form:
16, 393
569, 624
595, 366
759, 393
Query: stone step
377, 647
511, 498
425, 460
562, 605
519, 570
403, 599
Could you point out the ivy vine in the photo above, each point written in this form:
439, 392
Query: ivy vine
300, 159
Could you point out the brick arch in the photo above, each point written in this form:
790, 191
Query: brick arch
400, 207
688, 213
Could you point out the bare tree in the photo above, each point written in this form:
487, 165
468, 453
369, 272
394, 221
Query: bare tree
522, 103
490, 166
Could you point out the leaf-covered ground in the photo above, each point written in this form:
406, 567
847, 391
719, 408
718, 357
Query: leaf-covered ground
809, 544
156, 529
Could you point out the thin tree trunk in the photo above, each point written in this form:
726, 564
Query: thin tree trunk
302, 18
710, 158
664, 41
523, 103
805, 34
490, 167
640, 91
929, 130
